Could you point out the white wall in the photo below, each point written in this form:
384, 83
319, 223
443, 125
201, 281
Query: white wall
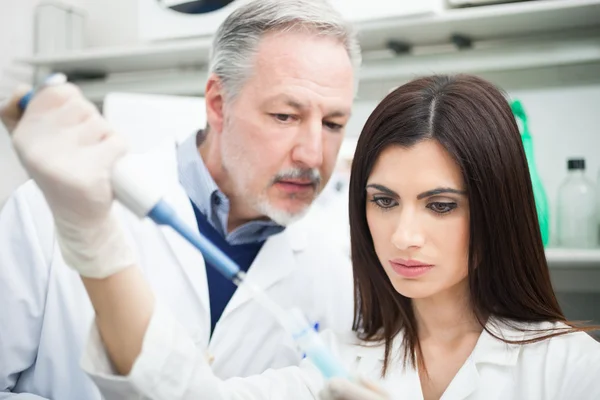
110, 22
16, 27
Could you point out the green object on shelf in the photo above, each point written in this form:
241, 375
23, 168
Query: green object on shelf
539, 193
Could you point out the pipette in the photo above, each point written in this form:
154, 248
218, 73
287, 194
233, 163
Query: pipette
140, 195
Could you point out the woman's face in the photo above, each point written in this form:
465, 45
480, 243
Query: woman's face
418, 214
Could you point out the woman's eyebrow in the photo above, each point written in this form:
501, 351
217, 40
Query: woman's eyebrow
442, 190
383, 189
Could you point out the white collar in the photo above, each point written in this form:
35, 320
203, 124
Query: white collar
488, 348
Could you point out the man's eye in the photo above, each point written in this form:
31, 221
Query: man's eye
333, 126
282, 117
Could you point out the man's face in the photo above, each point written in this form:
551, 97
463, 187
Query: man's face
280, 137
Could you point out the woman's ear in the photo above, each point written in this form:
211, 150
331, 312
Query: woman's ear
213, 96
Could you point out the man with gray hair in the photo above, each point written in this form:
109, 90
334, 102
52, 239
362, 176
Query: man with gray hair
282, 78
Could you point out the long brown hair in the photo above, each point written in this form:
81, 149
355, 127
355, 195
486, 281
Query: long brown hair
507, 270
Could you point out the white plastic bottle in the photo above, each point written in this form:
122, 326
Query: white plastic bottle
577, 219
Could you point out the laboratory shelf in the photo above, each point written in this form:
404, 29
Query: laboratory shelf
189, 81
491, 22
573, 258
523, 36
123, 59
517, 20
574, 270
508, 56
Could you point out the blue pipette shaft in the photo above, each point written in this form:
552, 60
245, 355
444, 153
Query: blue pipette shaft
163, 214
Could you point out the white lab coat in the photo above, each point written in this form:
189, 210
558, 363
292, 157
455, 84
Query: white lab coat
170, 367
45, 313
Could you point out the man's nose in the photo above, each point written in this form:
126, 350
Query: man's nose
309, 150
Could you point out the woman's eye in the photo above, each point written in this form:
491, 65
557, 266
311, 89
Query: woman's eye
441, 208
384, 202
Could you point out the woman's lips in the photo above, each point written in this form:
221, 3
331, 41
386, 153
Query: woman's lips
410, 268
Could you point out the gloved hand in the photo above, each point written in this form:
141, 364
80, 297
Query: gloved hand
10, 113
69, 150
343, 389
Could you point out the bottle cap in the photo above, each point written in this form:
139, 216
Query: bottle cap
576, 163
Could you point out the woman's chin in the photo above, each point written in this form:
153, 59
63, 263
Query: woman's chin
414, 289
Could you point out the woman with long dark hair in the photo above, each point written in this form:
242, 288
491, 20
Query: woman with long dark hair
446, 247
453, 294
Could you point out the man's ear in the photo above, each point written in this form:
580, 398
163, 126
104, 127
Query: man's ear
213, 96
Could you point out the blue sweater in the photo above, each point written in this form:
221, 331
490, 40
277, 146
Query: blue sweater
220, 289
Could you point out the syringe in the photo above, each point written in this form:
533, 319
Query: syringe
140, 195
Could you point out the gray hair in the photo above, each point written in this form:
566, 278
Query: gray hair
236, 41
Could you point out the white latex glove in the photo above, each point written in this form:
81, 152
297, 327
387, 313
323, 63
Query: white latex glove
69, 150
343, 389
10, 113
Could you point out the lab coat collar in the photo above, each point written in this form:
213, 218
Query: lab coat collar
491, 350
162, 161
274, 262
296, 235
488, 350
